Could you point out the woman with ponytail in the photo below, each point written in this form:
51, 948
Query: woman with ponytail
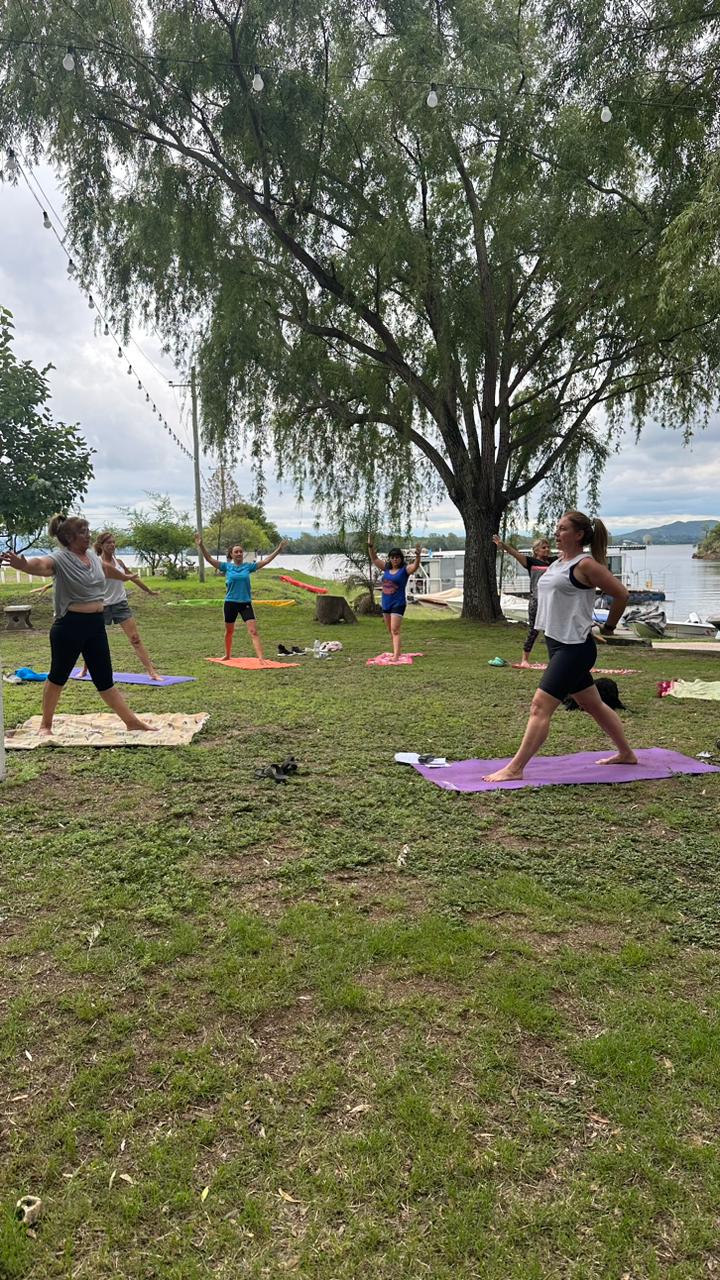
566, 597
78, 627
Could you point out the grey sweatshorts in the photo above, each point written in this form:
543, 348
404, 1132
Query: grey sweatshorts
117, 613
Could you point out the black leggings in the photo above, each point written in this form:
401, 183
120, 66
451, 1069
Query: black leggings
75, 634
532, 634
568, 670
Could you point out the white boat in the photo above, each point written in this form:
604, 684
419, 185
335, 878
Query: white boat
514, 607
451, 599
693, 626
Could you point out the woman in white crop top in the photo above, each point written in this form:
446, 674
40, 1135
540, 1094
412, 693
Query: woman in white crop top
116, 607
566, 595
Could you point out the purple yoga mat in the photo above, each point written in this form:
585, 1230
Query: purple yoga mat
552, 771
139, 677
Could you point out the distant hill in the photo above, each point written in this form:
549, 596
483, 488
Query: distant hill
679, 531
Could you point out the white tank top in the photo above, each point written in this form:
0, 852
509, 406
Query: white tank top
565, 608
115, 592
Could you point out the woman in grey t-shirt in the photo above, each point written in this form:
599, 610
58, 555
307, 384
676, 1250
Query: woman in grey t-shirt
78, 627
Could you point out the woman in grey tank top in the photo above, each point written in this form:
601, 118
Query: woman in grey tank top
79, 581
566, 593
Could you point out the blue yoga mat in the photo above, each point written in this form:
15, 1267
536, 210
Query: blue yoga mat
139, 677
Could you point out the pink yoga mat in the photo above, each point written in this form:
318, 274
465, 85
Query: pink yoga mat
597, 671
577, 769
387, 660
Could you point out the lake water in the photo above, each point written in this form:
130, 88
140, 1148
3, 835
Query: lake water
690, 585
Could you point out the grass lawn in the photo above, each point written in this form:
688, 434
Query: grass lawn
237, 1039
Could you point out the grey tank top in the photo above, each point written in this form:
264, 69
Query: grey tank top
75, 582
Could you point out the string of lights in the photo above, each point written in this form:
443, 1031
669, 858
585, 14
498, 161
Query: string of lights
15, 169
436, 91
29, 175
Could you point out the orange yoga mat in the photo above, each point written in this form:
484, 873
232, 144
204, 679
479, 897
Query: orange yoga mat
251, 664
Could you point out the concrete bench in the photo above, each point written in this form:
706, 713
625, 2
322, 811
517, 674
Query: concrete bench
18, 617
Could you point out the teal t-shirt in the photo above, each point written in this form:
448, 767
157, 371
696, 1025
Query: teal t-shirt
237, 581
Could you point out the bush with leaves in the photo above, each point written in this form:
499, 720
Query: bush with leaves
160, 535
44, 465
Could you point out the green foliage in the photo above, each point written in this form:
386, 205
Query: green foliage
243, 523
160, 534
400, 301
45, 465
710, 545
333, 543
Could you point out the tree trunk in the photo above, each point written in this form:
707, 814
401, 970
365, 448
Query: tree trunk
332, 609
481, 599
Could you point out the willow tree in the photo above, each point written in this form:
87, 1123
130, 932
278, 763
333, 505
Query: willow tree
411, 254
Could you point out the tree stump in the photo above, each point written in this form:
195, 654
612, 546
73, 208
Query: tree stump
332, 609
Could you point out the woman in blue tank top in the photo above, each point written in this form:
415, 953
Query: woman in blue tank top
393, 584
566, 594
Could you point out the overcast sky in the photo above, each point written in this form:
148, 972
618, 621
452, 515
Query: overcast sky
649, 483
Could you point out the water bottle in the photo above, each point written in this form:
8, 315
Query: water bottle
316, 648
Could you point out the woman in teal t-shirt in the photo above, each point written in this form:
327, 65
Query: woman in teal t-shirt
238, 596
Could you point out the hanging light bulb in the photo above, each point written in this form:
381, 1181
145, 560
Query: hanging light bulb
71, 268
129, 371
91, 304
69, 59
119, 353
606, 114
147, 397
46, 221
139, 385
258, 83
432, 99
154, 409
12, 164
106, 331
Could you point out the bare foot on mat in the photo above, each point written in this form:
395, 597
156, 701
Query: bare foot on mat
507, 774
622, 757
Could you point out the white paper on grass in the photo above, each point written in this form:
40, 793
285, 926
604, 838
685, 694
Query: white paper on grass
412, 757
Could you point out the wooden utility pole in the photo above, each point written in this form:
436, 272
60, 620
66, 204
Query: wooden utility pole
196, 463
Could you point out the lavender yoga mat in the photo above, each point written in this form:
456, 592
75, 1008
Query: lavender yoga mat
139, 677
577, 769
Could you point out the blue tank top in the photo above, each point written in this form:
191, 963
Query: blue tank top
393, 586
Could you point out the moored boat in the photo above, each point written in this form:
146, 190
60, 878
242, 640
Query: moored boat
693, 626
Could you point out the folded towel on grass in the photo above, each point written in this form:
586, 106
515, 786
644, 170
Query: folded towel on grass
106, 730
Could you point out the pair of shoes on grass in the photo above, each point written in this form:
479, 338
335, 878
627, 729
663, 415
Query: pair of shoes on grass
279, 772
288, 653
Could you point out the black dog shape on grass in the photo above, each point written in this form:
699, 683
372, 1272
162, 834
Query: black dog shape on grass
608, 691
